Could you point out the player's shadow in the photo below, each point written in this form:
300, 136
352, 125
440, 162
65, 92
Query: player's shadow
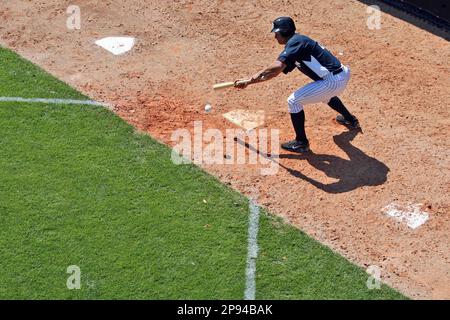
360, 170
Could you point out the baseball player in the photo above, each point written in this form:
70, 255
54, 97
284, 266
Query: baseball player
311, 58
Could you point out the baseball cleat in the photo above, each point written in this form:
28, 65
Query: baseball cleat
352, 124
296, 146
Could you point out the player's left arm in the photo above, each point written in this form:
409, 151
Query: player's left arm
264, 75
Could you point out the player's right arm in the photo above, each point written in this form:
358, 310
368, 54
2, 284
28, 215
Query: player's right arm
270, 72
264, 75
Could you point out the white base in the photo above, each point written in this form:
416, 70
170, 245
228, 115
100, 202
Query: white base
407, 213
116, 45
246, 119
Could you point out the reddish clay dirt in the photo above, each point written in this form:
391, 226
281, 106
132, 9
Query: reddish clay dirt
399, 90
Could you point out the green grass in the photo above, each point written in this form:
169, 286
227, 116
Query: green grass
78, 186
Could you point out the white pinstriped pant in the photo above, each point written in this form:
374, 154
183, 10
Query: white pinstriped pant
319, 91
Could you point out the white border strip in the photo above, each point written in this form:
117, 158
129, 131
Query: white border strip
51, 101
252, 255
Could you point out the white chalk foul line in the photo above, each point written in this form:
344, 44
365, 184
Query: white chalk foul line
252, 251
52, 101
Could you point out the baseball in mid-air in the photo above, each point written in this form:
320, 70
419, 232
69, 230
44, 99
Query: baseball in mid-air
208, 107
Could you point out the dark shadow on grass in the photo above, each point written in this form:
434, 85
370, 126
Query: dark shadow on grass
411, 14
361, 170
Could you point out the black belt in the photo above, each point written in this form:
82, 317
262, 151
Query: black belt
337, 71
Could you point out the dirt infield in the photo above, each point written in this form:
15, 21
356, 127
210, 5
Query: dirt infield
399, 91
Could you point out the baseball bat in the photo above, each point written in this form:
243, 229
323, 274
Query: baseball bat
224, 85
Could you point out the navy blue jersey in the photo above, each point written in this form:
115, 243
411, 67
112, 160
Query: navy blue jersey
309, 57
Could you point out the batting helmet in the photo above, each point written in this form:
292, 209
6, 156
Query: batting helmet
284, 25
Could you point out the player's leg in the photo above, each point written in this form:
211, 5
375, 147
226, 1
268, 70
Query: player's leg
345, 118
315, 92
311, 93
301, 143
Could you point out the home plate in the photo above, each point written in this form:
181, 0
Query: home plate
407, 213
116, 45
246, 119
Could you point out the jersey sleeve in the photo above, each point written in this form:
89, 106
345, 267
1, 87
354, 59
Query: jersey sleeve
289, 56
